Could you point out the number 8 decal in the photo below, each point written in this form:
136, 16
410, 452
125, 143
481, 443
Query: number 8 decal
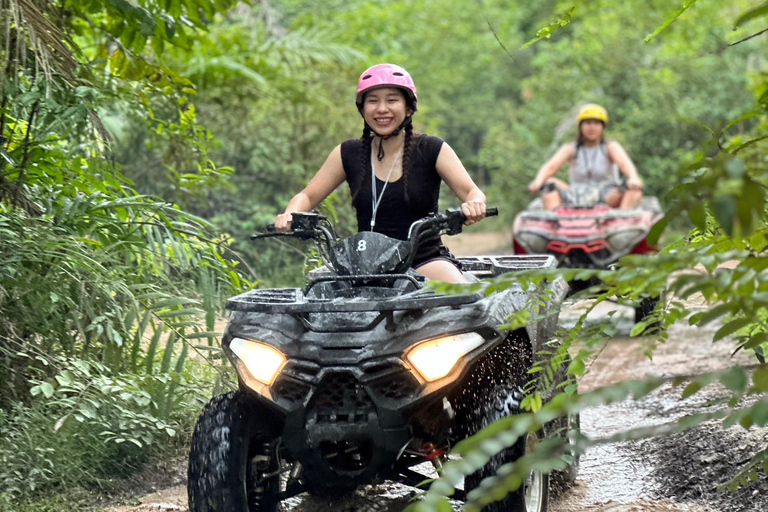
361, 245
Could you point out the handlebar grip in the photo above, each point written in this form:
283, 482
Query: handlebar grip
491, 212
270, 228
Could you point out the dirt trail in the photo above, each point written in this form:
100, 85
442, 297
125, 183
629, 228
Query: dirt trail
476, 244
672, 474
631, 476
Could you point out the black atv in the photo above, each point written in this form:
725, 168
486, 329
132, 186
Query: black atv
366, 373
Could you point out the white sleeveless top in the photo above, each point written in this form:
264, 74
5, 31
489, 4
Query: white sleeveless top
592, 165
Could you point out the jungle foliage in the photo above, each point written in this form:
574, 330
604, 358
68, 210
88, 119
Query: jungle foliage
720, 188
142, 141
104, 290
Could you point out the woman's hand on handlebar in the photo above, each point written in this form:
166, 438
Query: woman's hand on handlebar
635, 184
535, 186
474, 211
283, 222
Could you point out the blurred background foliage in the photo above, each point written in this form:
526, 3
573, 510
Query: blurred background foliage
142, 141
274, 84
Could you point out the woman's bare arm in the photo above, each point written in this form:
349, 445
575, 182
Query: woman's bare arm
452, 171
325, 181
550, 168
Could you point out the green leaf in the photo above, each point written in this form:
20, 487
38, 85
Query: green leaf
135, 13
731, 327
59, 423
173, 302
687, 5
759, 413
47, 389
698, 215
638, 328
725, 213
152, 350
691, 389
576, 367
704, 318
735, 379
751, 14
549, 30
756, 263
657, 229
181, 312
65, 378
760, 378
755, 340
748, 143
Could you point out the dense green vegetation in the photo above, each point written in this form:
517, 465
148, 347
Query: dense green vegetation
141, 142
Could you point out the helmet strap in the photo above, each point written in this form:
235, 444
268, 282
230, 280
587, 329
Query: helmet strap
380, 153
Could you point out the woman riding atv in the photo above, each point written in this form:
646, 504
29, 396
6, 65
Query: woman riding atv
591, 160
393, 174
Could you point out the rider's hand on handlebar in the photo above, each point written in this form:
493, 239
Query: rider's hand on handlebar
535, 186
635, 184
474, 211
283, 222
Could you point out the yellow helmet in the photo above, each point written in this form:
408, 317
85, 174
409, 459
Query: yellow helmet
593, 111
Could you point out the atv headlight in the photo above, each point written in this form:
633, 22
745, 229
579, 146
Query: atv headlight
261, 360
536, 244
435, 358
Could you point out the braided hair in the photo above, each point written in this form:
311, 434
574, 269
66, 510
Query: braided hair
407, 147
365, 160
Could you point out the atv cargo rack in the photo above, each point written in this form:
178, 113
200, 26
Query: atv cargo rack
293, 301
296, 300
493, 266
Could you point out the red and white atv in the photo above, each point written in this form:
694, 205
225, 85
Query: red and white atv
586, 233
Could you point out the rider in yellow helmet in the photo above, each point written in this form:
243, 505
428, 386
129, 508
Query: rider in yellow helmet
592, 111
591, 160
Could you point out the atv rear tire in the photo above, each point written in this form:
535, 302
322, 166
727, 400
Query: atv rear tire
645, 308
232, 451
568, 427
533, 494
493, 391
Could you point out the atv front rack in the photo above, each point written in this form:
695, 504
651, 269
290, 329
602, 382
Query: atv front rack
298, 301
294, 301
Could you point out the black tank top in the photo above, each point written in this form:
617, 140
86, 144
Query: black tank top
396, 213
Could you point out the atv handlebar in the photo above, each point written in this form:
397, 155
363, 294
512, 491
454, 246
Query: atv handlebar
451, 223
306, 226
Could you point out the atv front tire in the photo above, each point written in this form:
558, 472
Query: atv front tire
231, 456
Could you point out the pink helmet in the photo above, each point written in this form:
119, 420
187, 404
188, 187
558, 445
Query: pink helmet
386, 75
